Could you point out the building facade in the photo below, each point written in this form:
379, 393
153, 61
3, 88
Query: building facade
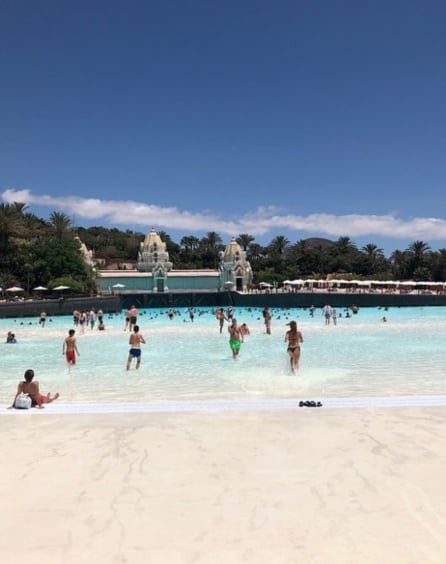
155, 273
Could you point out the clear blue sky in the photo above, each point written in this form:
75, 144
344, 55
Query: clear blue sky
296, 118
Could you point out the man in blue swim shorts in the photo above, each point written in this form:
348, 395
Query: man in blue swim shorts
135, 347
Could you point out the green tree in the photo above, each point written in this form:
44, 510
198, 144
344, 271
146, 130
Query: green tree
244, 240
61, 225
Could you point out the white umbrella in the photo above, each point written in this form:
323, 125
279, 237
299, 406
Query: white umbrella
62, 288
41, 288
15, 289
118, 285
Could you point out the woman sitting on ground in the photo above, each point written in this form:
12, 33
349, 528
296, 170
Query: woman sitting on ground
32, 389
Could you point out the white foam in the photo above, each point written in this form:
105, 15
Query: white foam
234, 405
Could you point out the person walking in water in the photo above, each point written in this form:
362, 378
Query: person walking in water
135, 341
294, 338
133, 317
267, 320
235, 338
220, 315
327, 312
70, 349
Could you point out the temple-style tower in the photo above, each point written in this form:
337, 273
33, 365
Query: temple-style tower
154, 258
235, 270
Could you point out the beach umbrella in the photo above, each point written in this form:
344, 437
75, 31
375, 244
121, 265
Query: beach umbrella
118, 285
40, 288
15, 289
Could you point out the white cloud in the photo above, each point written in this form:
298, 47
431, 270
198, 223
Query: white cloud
259, 222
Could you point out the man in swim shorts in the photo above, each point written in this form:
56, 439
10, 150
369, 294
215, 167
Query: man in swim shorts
70, 349
135, 341
234, 338
133, 314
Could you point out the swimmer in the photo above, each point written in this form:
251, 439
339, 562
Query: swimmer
293, 337
10, 338
42, 318
69, 348
135, 341
32, 389
235, 338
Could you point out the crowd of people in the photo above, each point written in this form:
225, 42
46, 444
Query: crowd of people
237, 332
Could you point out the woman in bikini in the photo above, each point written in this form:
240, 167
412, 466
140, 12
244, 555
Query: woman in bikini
294, 338
32, 389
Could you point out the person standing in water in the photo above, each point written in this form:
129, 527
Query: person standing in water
70, 349
220, 315
135, 341
294, 338
133, 317
235, 338
267, 320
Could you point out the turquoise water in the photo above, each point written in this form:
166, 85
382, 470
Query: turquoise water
360, 356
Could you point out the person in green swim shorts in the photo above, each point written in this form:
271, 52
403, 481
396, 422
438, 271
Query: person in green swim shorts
235, 338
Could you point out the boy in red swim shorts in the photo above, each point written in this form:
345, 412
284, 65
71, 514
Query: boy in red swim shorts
70, 349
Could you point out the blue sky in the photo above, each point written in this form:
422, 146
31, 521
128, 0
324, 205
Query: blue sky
297, 118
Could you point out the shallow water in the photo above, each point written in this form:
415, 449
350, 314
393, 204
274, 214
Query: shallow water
360, 356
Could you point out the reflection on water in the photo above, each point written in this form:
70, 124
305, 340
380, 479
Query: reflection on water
360, 356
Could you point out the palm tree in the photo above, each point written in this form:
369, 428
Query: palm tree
61, 225
244, 240
190, 243
255, 252
416, 252
399, 264
276, 252
418, 249
212, 241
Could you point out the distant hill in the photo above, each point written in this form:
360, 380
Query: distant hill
319, 243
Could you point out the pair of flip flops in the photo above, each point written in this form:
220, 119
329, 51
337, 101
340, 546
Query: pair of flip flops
310, 403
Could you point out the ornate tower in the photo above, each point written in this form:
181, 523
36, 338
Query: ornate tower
235, 270
154, 258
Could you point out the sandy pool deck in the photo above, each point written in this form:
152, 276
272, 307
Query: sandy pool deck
274, 487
